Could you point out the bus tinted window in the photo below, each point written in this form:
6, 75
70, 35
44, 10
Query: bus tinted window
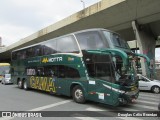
68, 72
14, 56
59, 71
118, 41
38, 50
90, 40
49, 47
30, 52
40, 71
19, 55
67, 45
51, 71
99, 66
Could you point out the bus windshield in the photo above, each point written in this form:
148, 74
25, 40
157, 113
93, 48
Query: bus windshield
124, 75
115, 40
90, 40
93, 40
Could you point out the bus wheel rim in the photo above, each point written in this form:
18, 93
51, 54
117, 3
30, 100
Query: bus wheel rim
78, 94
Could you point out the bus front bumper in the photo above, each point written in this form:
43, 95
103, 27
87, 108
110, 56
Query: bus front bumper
129, 97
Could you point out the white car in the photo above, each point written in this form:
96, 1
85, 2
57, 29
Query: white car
148, 84
6, 79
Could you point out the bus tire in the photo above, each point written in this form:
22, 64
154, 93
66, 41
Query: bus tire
78, 94
25, 85
20, 84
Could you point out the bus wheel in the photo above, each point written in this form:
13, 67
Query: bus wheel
25, 85
78, 94
20, 84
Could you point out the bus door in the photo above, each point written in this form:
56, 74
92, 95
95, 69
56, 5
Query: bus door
61, 79
66, 75
100, 83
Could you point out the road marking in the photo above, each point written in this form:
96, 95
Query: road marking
150, 95
129, 109
146, 107
86, 118
148, 102
50, 106
95, 109
150, 98
107, 113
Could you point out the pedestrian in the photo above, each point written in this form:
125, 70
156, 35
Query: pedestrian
159, 106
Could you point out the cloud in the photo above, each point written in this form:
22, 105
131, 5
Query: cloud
20, 18
13, 33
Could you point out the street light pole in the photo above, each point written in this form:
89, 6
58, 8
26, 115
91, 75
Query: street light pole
83, 4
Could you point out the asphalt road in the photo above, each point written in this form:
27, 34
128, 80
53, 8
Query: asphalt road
14, 99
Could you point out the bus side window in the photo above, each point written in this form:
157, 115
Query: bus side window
38, 50
104, 71
30, 52
61, 71
23, 54
20, 55
72, 73
50, 71
14, 55
40, 71
67, 45
49, 47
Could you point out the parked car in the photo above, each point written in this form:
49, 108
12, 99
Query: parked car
148, 84
6, 79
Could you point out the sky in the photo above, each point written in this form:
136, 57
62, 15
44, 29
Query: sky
21, 18
157, 54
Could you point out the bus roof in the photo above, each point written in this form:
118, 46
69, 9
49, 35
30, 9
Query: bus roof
4, 64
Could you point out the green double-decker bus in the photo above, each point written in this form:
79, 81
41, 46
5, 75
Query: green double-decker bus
92, 64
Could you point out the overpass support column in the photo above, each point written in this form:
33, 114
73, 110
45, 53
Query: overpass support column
147, 45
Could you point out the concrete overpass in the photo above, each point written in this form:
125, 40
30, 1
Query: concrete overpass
134, 44
133, 19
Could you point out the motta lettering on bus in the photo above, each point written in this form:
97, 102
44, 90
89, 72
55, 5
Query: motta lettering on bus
55, 59
42, 83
